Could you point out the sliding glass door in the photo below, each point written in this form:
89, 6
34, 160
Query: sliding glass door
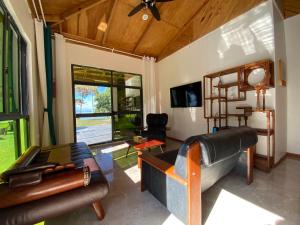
107, 105
93, 113
127, 104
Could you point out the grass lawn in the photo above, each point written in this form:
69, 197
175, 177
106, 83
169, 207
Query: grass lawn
82, 122
7, 151
131, 160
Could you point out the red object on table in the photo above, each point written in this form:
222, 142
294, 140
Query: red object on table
148, 144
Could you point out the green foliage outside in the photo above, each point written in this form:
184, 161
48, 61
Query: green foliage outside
8, 144
83, 92
103, 101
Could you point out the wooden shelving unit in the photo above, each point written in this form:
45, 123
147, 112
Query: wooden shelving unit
220, 119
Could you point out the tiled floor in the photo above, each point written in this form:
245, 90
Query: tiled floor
272, 198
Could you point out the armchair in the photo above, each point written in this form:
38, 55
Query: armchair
177, 178
156, 126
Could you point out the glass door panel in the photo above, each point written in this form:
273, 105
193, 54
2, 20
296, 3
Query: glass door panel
23, 131
127, 79
91, 75
12, 59
8, 143
126, 126
92, 99
107, 104
93, 113
93, 130
127, 99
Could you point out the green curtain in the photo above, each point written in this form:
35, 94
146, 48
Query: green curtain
49, 75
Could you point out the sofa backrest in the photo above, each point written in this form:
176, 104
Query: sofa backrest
216, 147
157, 120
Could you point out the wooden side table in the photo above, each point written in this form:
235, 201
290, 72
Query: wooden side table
146, 146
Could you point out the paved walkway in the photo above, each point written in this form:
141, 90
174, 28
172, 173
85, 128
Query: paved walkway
94, 134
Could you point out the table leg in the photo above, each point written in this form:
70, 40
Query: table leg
128, 150
99, 210
161, 149
139, 159
250, 164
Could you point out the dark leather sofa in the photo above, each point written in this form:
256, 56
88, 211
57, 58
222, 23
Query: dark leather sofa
156, 126
177, 178
53, 205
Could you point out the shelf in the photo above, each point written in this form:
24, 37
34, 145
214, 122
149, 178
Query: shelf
223, 99
264, 111
264, 132
234, 100
236, 115
228, 85
215, 117
246, 107
215, 98
225, 127
261, 164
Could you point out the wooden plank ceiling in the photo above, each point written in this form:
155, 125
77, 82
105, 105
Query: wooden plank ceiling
182, 21
291, 8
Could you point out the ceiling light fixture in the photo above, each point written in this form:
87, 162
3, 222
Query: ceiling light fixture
145, 17
102, 26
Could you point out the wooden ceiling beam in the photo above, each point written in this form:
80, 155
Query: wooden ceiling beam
187, 24
78, 10
111, 15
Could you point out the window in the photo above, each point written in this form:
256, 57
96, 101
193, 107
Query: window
13, 92
107, 104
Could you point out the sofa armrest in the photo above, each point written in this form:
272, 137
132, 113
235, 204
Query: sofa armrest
162, 166
168, 156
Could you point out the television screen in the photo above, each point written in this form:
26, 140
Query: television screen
189, 95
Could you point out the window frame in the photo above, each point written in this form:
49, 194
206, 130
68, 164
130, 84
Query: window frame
112, 113
23, 101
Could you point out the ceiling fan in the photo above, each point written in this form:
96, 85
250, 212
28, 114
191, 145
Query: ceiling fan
150, 4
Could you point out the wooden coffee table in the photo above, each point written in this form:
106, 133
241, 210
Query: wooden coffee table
147, 146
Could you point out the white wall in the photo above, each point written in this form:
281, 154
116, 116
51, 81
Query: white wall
87, 56
292, 37
280, 92
245, 39
20, 12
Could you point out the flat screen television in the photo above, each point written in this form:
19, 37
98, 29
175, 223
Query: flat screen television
189, 95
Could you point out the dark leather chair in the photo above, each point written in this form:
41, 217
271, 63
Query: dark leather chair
52, 205
177, 178
156, 126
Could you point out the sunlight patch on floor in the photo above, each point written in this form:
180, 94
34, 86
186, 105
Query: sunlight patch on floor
134, 174
114, 148
230, 209
172, 220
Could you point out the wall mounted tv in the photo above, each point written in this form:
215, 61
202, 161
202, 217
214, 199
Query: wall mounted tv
189, 95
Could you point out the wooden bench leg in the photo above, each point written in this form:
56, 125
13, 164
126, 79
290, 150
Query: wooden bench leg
250, 164
99, 210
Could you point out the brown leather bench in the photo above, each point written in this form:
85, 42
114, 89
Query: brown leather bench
38, 203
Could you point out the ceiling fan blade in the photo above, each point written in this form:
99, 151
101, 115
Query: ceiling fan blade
136, 9
155, 12
164, 0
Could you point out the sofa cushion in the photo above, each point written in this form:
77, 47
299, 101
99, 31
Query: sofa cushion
157, 120
57, 204
216, 147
